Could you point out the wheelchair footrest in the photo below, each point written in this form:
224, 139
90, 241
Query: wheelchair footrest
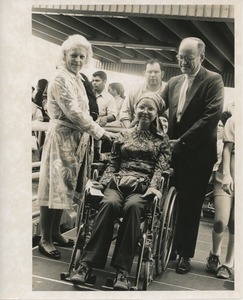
109, 282
91, 279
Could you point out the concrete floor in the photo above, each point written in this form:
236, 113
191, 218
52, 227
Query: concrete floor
46, 272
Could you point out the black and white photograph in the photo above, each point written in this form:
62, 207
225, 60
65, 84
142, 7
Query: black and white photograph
122, 178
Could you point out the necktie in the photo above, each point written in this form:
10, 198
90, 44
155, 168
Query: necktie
182, 98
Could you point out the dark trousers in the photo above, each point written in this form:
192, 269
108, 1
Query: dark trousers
191, 180
113, 205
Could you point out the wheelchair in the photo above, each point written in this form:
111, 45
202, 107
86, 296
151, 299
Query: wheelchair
156, 232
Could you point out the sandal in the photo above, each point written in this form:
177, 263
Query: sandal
224, 272
55, 254
69, 244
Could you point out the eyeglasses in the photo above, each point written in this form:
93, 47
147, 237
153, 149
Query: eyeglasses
186, 58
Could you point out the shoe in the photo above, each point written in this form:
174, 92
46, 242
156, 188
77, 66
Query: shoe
121, 282
224, 272
69, 244
212, 263
55, 254
183, 265
81, 275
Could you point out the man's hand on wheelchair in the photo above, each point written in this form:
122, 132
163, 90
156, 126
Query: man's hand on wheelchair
152, 192
97, 185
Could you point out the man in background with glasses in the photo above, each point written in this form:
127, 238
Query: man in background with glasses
195, 102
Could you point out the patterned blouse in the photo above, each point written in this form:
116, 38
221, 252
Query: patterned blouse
139, 153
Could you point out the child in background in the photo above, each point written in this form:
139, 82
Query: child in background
224, 206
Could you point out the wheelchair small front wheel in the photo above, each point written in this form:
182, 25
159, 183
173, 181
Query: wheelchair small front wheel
77, 258
147, 274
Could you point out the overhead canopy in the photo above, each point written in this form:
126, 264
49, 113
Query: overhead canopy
123, 37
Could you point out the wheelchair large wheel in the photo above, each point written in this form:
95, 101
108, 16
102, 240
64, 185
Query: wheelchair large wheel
76, 254
140, 264
78, 248
146, 275
166, 231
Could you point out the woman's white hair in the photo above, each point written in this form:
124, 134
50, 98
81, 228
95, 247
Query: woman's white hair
76, 40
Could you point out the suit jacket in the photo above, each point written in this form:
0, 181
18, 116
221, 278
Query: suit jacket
201, 113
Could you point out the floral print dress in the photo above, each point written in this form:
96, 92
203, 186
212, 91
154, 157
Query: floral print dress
139, 153
66, 140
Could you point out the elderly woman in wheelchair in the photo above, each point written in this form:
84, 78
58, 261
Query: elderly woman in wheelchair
139, 155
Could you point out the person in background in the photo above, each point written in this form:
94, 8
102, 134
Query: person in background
66, 142
141, 153
105, 101
220, 132
38, 98
32, 93
36, 116
36, 113
231, 107
36, 110
44, 105
224, 206
116, 89
153, 73
194, 101
93, 105
106, 104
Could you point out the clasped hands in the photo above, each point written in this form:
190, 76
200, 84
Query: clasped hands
150, 191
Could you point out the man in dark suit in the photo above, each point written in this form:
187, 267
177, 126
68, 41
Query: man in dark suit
195, 102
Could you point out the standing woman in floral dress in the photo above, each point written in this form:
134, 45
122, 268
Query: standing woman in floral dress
66, 142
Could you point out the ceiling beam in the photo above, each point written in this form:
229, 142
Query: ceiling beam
104, 54
146, 25
121, 25
217, 41
108, 50
231, 26
69, 23
182, 32
46, 37
126, 52
97, 25
45, 28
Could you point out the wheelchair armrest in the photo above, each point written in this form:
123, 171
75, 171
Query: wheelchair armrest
100, 166
96, 169
168, 173
166, 178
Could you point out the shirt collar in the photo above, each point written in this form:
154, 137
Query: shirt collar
78, 76
194, 74
137, 133
102, 94
161, 87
